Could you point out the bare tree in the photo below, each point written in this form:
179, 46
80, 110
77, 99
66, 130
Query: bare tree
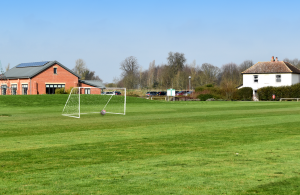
165, 76
130, 68
151, 73
244, 66
7, 67
294, 62
230, 72
209, 73
80, 67
84, 73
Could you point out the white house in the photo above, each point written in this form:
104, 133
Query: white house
273, 73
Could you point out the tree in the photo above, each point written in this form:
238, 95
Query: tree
230, 72
130, 69
7, 67
176, 62
209, 73
166, 78
90, 75
151, 73
84, 73
294, 62
80, 67
244, 66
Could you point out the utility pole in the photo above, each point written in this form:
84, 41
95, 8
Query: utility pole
190, 83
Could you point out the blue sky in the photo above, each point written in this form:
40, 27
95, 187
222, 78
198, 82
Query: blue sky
103, 33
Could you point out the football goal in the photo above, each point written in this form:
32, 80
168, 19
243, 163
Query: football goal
89, 100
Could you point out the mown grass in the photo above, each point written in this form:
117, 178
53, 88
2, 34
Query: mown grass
156, 148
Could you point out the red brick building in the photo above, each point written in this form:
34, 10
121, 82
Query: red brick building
43, 78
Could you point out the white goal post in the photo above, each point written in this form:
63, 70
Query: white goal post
87, 100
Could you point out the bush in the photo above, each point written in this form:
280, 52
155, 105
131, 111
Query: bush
199, 89
204, 97
244, 93
208, 89
132, 94
75, 91
60, 91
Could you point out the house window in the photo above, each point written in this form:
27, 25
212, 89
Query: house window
14, 89
278, 78
87, 91
24, 89
50, 88
255, 78
55, 70
3, 89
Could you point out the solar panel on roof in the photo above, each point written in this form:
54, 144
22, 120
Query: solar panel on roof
22, 65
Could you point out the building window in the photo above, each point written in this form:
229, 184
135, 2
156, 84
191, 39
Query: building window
55, 70
3, 89
87, 91
24, 89
50, 88
14, 89
255, 78
278, 78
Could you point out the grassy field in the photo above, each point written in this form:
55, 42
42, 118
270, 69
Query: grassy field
157, 148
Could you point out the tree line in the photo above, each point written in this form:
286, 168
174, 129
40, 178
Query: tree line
175, 74
82, 70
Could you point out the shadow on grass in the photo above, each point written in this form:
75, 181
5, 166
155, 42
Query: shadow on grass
5, 115
288, 186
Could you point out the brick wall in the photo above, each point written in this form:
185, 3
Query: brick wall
92, 90
17, 82
37, 85
48, 77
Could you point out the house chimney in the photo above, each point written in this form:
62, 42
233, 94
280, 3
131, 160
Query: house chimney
272, 60
276, 59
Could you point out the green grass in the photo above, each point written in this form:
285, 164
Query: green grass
156, 148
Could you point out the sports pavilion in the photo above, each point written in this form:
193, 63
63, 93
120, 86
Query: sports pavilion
43, 78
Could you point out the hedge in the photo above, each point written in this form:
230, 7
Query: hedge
244, 93
266, 93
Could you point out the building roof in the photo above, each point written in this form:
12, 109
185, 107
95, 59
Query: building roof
94, 83
29, 70
272, 67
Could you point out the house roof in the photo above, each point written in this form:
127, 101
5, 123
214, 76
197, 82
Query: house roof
29, 70
272, 67
94, 83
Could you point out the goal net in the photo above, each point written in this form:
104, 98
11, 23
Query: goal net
88, 100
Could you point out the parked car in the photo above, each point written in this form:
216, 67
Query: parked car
188, 93
151, 93
181, 93
117, 93
160, 93
109, 93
